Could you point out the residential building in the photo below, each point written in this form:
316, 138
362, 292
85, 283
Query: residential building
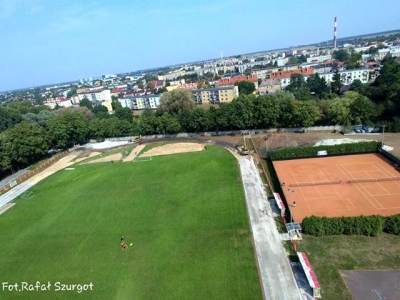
261, 74
235, 79
117, 90
319, 59
348, 76
394, 51
140, 102
92, 94
382, 53
181, 84
269, 86
281, 61
156, 84
108, 105
362, 49
285, 76
222, 94
57, 101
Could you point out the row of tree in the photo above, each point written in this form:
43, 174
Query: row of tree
41, 130
28, 132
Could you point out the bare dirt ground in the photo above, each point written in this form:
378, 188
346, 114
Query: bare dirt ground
85, 156
108, 158
229, 140
135, 151
282, 140
173, 149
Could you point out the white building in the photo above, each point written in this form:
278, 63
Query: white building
141, 102
394, 51
281, 61
382, 53
261, 74
319, 59
93, 95
58, 101
362, 49
348, 76
366, 57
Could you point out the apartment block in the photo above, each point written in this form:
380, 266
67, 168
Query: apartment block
222, 94
141, 102
348, 76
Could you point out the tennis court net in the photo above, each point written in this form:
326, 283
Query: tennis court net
350, 181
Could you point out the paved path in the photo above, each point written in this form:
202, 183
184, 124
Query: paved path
12, 177
135, 151
27, 184
276, 274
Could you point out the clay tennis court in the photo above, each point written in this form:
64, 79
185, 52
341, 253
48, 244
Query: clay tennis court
350, 185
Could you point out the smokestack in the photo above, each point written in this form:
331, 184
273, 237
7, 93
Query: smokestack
334, 32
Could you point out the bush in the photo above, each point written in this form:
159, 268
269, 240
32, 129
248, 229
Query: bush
392, 225
314, 226
362, 225
303, 152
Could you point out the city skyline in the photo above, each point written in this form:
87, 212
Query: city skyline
87, 40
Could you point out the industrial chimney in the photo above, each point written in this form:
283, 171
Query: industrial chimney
334, 32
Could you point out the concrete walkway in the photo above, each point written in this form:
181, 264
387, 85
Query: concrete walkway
12, 177
135, 151
27, 184
277, 277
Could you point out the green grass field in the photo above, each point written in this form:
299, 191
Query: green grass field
331, 254
185, 215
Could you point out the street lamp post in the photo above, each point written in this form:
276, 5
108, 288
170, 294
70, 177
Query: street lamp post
293, 205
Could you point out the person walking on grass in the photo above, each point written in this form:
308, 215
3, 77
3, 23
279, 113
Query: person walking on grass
123, 244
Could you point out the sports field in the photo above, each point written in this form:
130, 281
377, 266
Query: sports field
185, 215
349, 185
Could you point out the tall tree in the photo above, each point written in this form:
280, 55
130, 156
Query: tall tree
86, 103
176, 101
353, 62
67, 128
385, 90
336, 85
115, 104
246, 87
341, 55
22, 145
338, 111
299, 87
317, 86
124, 114
8, 118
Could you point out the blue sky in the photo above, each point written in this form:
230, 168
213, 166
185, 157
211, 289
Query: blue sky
50, 41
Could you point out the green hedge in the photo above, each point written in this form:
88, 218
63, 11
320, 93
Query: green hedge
362, 225
392, 225
303, 152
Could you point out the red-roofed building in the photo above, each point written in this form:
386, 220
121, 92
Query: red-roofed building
307, 71
284, 76
184, 86
117, 90
235, 79
156, 84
